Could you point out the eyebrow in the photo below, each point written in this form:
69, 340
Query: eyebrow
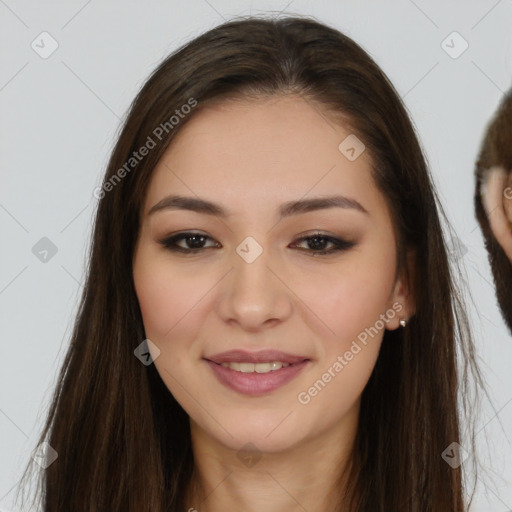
176, 202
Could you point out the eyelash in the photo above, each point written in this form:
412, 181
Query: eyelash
339, 243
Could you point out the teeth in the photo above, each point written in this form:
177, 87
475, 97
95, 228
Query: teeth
256, 367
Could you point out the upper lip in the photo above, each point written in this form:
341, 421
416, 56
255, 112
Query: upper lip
263, 356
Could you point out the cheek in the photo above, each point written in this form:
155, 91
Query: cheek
160, 304
167, 298
351, 305
333, 394
348, 299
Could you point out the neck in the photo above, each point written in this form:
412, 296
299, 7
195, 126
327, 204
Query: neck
310, 476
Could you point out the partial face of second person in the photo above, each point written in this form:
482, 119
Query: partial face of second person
497, 200
250, 158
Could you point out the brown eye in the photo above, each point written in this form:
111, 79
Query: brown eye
317, 244
193, 242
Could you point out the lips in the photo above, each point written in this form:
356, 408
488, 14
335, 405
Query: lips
263, 356
256, 383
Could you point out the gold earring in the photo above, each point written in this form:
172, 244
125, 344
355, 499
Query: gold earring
403, 323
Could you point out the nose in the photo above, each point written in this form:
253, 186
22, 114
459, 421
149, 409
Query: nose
254, 295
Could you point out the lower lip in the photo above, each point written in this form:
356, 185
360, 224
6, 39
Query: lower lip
256, 383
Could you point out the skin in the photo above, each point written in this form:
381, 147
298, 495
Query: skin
250, 157
497, 201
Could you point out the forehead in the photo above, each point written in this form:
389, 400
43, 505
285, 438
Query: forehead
261, 151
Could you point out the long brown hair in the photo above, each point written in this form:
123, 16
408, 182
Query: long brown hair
496, 150
123, 442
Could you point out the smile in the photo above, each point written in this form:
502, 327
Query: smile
256, 378
256, 367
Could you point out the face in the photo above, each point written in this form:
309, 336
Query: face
258, 275
497, 201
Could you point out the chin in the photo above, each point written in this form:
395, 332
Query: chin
244, 434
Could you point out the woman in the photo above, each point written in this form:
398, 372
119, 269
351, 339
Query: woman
493, 201
269, 320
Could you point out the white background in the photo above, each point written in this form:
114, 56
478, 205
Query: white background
58, 122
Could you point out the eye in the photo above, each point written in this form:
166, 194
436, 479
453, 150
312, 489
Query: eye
195, 242
318, 242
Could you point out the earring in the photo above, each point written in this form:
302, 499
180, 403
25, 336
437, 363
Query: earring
403, 323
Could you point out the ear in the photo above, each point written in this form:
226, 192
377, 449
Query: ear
496, 193
402, 299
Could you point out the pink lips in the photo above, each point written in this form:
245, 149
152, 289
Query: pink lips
256, 383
